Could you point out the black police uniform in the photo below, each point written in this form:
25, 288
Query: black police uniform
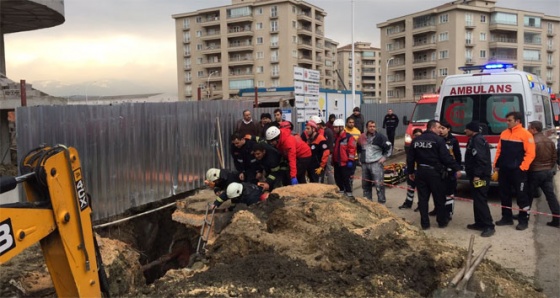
451, 181
244, 160
390, 123
430, 154
478, 163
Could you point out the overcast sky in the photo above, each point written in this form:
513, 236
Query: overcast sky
114, 47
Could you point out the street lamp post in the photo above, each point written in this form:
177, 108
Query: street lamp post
387, 80
208, 84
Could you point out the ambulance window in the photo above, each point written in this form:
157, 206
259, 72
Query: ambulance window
547, 112
497, 107
458, 111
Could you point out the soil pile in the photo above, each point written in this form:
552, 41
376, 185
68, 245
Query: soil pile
308, 241
304, 241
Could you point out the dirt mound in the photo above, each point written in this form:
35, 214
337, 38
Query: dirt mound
304, 241
308, 241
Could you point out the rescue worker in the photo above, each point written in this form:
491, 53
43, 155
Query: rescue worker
243, 193
390, 123
411, 185
478, 166
273, 166
450, 181
242, 153
514, 155
375, 148
328, 176
319, 151
542, 170
294, 149
343, 158
219, 180
430, 154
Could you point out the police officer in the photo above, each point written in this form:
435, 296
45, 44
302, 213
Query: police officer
478, 165
432, 158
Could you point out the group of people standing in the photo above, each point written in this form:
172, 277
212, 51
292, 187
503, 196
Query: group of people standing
268, 154
525, 160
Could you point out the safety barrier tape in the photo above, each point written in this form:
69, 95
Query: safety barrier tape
463, 199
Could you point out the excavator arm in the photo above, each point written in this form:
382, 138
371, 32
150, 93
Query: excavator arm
58, 215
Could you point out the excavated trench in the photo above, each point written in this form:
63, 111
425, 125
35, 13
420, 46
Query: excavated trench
162, 243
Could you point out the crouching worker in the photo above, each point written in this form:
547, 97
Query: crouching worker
219, 180
243, 193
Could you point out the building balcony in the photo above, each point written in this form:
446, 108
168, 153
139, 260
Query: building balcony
215, 77
550, 33
504, 58
274, 59
187, 67
425, 27
210, 21
397, 66
304, 16
211, 35
241, 74
319, 19
274, 74
305, 45
510, 43
397, 83
239, 32
549, 64
469, 43
186, 54
424, 79
212, 62
368, 81
550, 48
274, 15
424, 63
240, 46
368, 73
274, 45
239, 18
502, 27
241, 61
469, 61
305, 59
397, 50
424, 46
211, 49
305, 30
470, 25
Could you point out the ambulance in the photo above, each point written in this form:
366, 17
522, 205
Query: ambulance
486, 93
423, 112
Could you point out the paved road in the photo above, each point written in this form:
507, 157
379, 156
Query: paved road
534, 252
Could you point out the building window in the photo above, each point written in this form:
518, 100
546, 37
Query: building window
259, 40
186, 23
482, 53
260, 84
275, 83
294, 54
469, 19
199, 19
259, 26
443, 54
294, 39
200, 73
186, 37
275, 70
531, 55
199, 60
483, 18
274, 40
198, 33
260, 69
274, 11
444, 36
239, 12
444, 18
503, 18
241, 84
199, 47
259, 11
529, 21
274, 26
294, 24
260, 55
482, 36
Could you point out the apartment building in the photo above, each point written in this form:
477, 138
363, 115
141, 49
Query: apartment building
250, 43
368, 70
420, 49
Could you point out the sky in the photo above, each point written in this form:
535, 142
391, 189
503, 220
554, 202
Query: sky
118, 47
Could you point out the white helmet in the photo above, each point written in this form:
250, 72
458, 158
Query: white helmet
272, 133
234, 190
316, 119
213, 174
338, 122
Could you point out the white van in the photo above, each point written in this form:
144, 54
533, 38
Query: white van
486, 94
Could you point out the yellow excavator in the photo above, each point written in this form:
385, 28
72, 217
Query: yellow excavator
58, 215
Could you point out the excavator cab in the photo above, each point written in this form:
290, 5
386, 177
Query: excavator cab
58, 215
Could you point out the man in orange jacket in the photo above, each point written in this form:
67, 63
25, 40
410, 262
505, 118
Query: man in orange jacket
514, 155
319, 150
343, 158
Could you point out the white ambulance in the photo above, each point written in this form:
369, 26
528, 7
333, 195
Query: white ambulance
486, 94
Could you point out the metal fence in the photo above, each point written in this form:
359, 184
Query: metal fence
138, 153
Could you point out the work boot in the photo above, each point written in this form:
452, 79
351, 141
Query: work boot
432, 213
475, 227
504, 222
488, 232
522, 226
515, 216
406, 205
349, 195
416, 209
554, 223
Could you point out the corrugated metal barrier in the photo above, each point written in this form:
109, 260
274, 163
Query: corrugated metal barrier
138, 153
